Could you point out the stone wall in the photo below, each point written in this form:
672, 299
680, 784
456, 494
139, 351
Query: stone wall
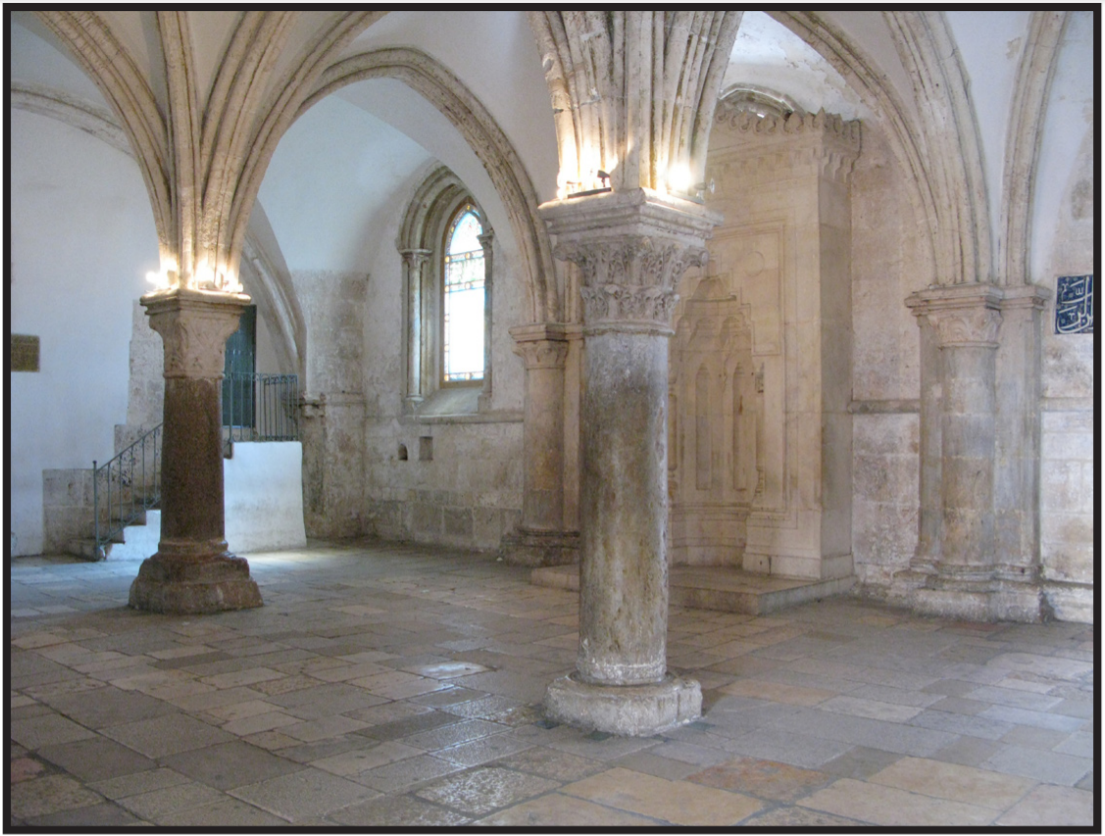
460, 483
888, 263
1068, 467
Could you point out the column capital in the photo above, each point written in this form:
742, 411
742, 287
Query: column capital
194, 325
415, 258
632, 248
964, 315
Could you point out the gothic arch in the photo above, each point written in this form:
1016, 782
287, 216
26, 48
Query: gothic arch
430, 79
941, 150
275, 294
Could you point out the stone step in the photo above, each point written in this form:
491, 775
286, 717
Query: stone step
721, 588
139, 541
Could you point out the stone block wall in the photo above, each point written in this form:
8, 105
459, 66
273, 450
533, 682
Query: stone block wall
67, 509
460, 483
885, 474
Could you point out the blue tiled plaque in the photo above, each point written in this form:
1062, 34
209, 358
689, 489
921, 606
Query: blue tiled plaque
1074, 305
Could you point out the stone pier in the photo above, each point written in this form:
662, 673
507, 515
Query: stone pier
631, 248
192, 571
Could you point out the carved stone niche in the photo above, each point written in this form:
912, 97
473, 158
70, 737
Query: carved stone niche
712, 474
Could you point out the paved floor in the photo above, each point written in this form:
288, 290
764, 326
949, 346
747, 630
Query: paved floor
384, 685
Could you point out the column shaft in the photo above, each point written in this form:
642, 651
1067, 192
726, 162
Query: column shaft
192, 571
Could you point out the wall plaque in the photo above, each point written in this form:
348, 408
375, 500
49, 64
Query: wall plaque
1074, 305
24, 353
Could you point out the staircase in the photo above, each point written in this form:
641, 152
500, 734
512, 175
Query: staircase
126, 520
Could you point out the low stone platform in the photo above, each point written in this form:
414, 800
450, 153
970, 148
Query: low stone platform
718, 588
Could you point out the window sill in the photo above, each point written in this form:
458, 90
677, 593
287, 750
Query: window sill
459, 405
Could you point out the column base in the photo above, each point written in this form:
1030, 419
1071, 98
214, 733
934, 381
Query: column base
194, 587
969, 599
630, 710
540, 548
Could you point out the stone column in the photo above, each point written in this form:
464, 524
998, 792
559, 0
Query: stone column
414, 261
631, 248
542, 540
192, 571
486, 240
956, 576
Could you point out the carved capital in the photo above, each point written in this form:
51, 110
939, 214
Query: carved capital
630, 279
415, 259
965, 315
966, 327
194, 326
542, 354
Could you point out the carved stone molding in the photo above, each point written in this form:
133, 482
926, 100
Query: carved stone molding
194, 326
415, 259
964, 316
766, 145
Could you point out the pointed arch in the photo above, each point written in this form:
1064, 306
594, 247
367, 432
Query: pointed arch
430, 79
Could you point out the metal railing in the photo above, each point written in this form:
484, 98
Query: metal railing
126, 487
260, 407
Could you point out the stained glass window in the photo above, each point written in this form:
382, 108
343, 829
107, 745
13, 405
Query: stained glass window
463, 323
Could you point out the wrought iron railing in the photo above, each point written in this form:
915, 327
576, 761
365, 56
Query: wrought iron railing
260, 407
126, 487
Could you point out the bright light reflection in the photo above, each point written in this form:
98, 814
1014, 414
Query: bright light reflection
679, 179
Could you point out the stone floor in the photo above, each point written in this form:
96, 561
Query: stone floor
387, 685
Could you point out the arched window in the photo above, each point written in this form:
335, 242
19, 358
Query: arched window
462, 308
446, 244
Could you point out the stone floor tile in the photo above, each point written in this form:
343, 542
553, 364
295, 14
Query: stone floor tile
777, 692
109, 707
552, 763
650, 764
167, 735
1014, 698
795, 748
891, 807
896, 696
48, 794
762, 778
483, 750
1038, 738
325, 728
222, 815
255, 723
155, 805
96, 759
105, 815
1079, 744
210, 697
950, 687
1052, 767
453, 734
24, 769
690, 752
240, 710
677, 802
1049, 806
559, 810
404, 774
229, 765
954, 782
1025, 717
138, 783
303, 794
46, 730
974, 725
800, 818
497, 709
398, 811
398, 685
407, 725
874, 709
477, 792
860, 762
287, 684
372, 755
235, 679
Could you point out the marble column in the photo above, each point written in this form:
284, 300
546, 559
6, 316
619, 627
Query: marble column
192, 571
541, 539
631, 249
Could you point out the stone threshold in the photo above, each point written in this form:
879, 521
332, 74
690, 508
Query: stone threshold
721, 588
